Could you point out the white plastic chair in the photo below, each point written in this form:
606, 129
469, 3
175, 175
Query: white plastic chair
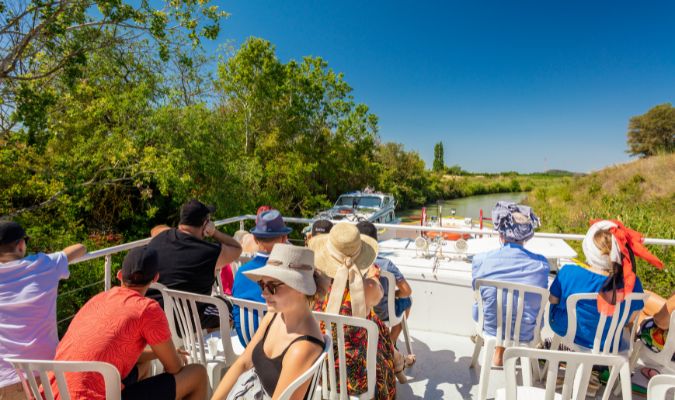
250, 315
391, 309
612, 341
26, 368
313, 373
659, 385
182, 314
508, 331
663, 359
329, 388
577, 374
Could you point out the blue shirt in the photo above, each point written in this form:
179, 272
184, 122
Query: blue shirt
244, 288
574, 279
510, 263
385, 264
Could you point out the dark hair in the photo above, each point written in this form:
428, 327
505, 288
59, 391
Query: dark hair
367, 228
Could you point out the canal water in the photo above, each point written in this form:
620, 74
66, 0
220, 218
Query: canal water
464, 207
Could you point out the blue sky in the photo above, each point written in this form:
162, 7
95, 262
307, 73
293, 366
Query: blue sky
506, 85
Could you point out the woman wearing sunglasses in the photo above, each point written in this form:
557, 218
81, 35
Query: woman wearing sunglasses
288, 340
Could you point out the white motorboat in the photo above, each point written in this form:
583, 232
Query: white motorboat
366, 205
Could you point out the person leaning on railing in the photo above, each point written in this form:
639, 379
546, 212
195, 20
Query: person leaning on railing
115, 327
28, 289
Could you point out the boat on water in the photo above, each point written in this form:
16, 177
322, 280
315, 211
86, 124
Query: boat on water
439, 272
369, 205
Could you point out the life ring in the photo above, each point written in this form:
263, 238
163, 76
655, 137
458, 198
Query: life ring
448, 235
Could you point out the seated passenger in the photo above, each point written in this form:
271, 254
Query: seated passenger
511, 263
290, 339
248, 243
344, 255
319, 227
187, 261
269, 231
403, 290
28, 288
609, 272
115, 327
654, 326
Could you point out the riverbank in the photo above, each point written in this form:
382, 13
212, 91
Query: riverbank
641, 194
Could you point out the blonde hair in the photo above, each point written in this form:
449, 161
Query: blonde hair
603, 241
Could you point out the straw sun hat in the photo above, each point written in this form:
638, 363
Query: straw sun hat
343, 245
292, 265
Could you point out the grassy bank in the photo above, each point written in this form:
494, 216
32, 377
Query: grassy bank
641, 194
457, 186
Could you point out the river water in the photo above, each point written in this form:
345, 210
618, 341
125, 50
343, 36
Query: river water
464, 207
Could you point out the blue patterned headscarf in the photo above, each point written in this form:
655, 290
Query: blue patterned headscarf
516, 222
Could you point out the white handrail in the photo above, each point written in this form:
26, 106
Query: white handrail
128, 246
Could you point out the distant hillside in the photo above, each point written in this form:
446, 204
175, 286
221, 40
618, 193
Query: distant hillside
640, 193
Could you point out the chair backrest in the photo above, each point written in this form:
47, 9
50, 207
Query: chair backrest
26, 369
250, 315
312, 373
184, 318
617, 321
508, 328
573, 380
330, 382
391, 299
665, 356
659, 385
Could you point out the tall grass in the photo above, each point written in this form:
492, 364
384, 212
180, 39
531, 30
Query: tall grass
641, 194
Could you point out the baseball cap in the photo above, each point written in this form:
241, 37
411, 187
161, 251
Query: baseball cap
194, 213
140, 266
321, 226
10, 232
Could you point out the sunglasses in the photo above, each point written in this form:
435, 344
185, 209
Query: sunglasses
271, 287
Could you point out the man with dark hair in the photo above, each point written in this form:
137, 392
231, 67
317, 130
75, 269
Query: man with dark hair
269, 230
28, 289
115, 327
187, 262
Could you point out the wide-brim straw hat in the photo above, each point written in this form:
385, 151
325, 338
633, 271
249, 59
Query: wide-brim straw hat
292, 265
343, 245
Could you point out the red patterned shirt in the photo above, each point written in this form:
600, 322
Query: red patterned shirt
114, 327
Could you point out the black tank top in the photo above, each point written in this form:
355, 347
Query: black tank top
269, 369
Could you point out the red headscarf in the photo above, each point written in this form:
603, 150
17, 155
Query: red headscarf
621, 283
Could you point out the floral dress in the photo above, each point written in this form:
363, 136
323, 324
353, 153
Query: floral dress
356, 340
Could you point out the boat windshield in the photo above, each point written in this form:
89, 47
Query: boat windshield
359, 201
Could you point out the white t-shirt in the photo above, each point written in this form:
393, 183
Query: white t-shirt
28, 289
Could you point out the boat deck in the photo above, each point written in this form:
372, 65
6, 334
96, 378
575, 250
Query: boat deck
442, 370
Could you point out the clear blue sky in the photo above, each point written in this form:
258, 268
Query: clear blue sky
506, 85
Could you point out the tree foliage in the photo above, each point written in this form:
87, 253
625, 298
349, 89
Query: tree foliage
653, 132
439, 163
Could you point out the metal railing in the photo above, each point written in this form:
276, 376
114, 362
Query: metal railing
109, 251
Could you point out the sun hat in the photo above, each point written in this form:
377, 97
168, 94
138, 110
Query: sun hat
292, 265
10, 232
343, 244
270, 224
194, 213
140, 265
344, 255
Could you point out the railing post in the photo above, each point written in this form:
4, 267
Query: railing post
108, 272
241, 225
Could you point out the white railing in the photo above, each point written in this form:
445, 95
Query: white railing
108, 252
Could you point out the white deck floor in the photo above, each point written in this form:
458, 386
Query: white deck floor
443, 370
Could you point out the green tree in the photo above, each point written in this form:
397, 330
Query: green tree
653, 132
439, 164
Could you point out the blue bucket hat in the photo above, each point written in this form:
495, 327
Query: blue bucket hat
270, 224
